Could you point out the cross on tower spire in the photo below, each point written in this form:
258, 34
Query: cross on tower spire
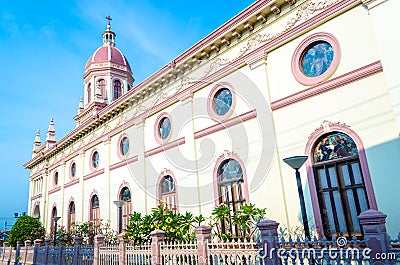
109, 19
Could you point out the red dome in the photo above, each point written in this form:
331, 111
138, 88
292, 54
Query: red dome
108, 54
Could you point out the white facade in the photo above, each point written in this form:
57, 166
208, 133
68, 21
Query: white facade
275, 113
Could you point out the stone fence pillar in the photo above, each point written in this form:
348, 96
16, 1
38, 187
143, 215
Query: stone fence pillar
374, 228
157, 237
17, 252
77, 245
36, 245
203, 236
27, 247
122, 248
98, 241
5, 246
269, 240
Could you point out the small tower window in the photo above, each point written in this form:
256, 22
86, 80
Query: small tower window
102, 85
89, 93
117, 89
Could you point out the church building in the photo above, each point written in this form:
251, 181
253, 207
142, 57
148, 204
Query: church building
283, 78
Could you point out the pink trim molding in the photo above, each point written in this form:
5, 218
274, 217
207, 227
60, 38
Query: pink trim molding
210, 102
157, 135
124, 184
345, 79
229, 155
94, 192
36, 204
166, 172
94, 174
165, 147
54, 178
226, 124
70, 170
54, 190
73, 182
124, 162
328, 127
37, 196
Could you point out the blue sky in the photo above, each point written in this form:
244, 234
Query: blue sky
45, 45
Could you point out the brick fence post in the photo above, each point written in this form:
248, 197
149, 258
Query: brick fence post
269, 240
374, 228
122, 248
17, 252
47, 243
98, 241
157, 237
27, 247
36, 245
203, 236
77, 244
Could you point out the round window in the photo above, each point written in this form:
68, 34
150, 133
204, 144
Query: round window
95, 159
317, 59
222, 101
124, 146
165, 128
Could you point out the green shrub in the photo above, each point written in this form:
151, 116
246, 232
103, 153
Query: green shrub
26, 228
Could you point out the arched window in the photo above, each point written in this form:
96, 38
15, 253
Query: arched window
102, 85
125, 195
36, 212
230, 191
340, 184
95, 210
53, 214
71, 214
117, 89
89, 93
168, 192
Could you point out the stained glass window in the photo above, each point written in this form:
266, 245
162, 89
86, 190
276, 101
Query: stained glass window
317, 59
334, 146
167, 185
95, 159
165, 128
230, 170
117, 89
95, 201
125, 194
222, 101
124, 146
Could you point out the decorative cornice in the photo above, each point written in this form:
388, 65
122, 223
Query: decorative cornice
257, 59
342, 80
54, 190
373, 3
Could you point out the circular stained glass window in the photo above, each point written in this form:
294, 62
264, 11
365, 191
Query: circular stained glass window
317, 59
165, 128
222, 101
73, 169
124, 146
95, 159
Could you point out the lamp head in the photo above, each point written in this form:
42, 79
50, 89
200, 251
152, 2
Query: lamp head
295, 162
119, 203
56, 218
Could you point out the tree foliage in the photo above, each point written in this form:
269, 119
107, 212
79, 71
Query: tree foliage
26, 228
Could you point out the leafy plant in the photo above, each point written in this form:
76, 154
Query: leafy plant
26, 228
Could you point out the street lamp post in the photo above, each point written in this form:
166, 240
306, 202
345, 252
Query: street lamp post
296, 162
119, 204
55, 219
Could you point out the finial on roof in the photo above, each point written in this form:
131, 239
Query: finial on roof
109, 20
36, 142
51, 133
80, 106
